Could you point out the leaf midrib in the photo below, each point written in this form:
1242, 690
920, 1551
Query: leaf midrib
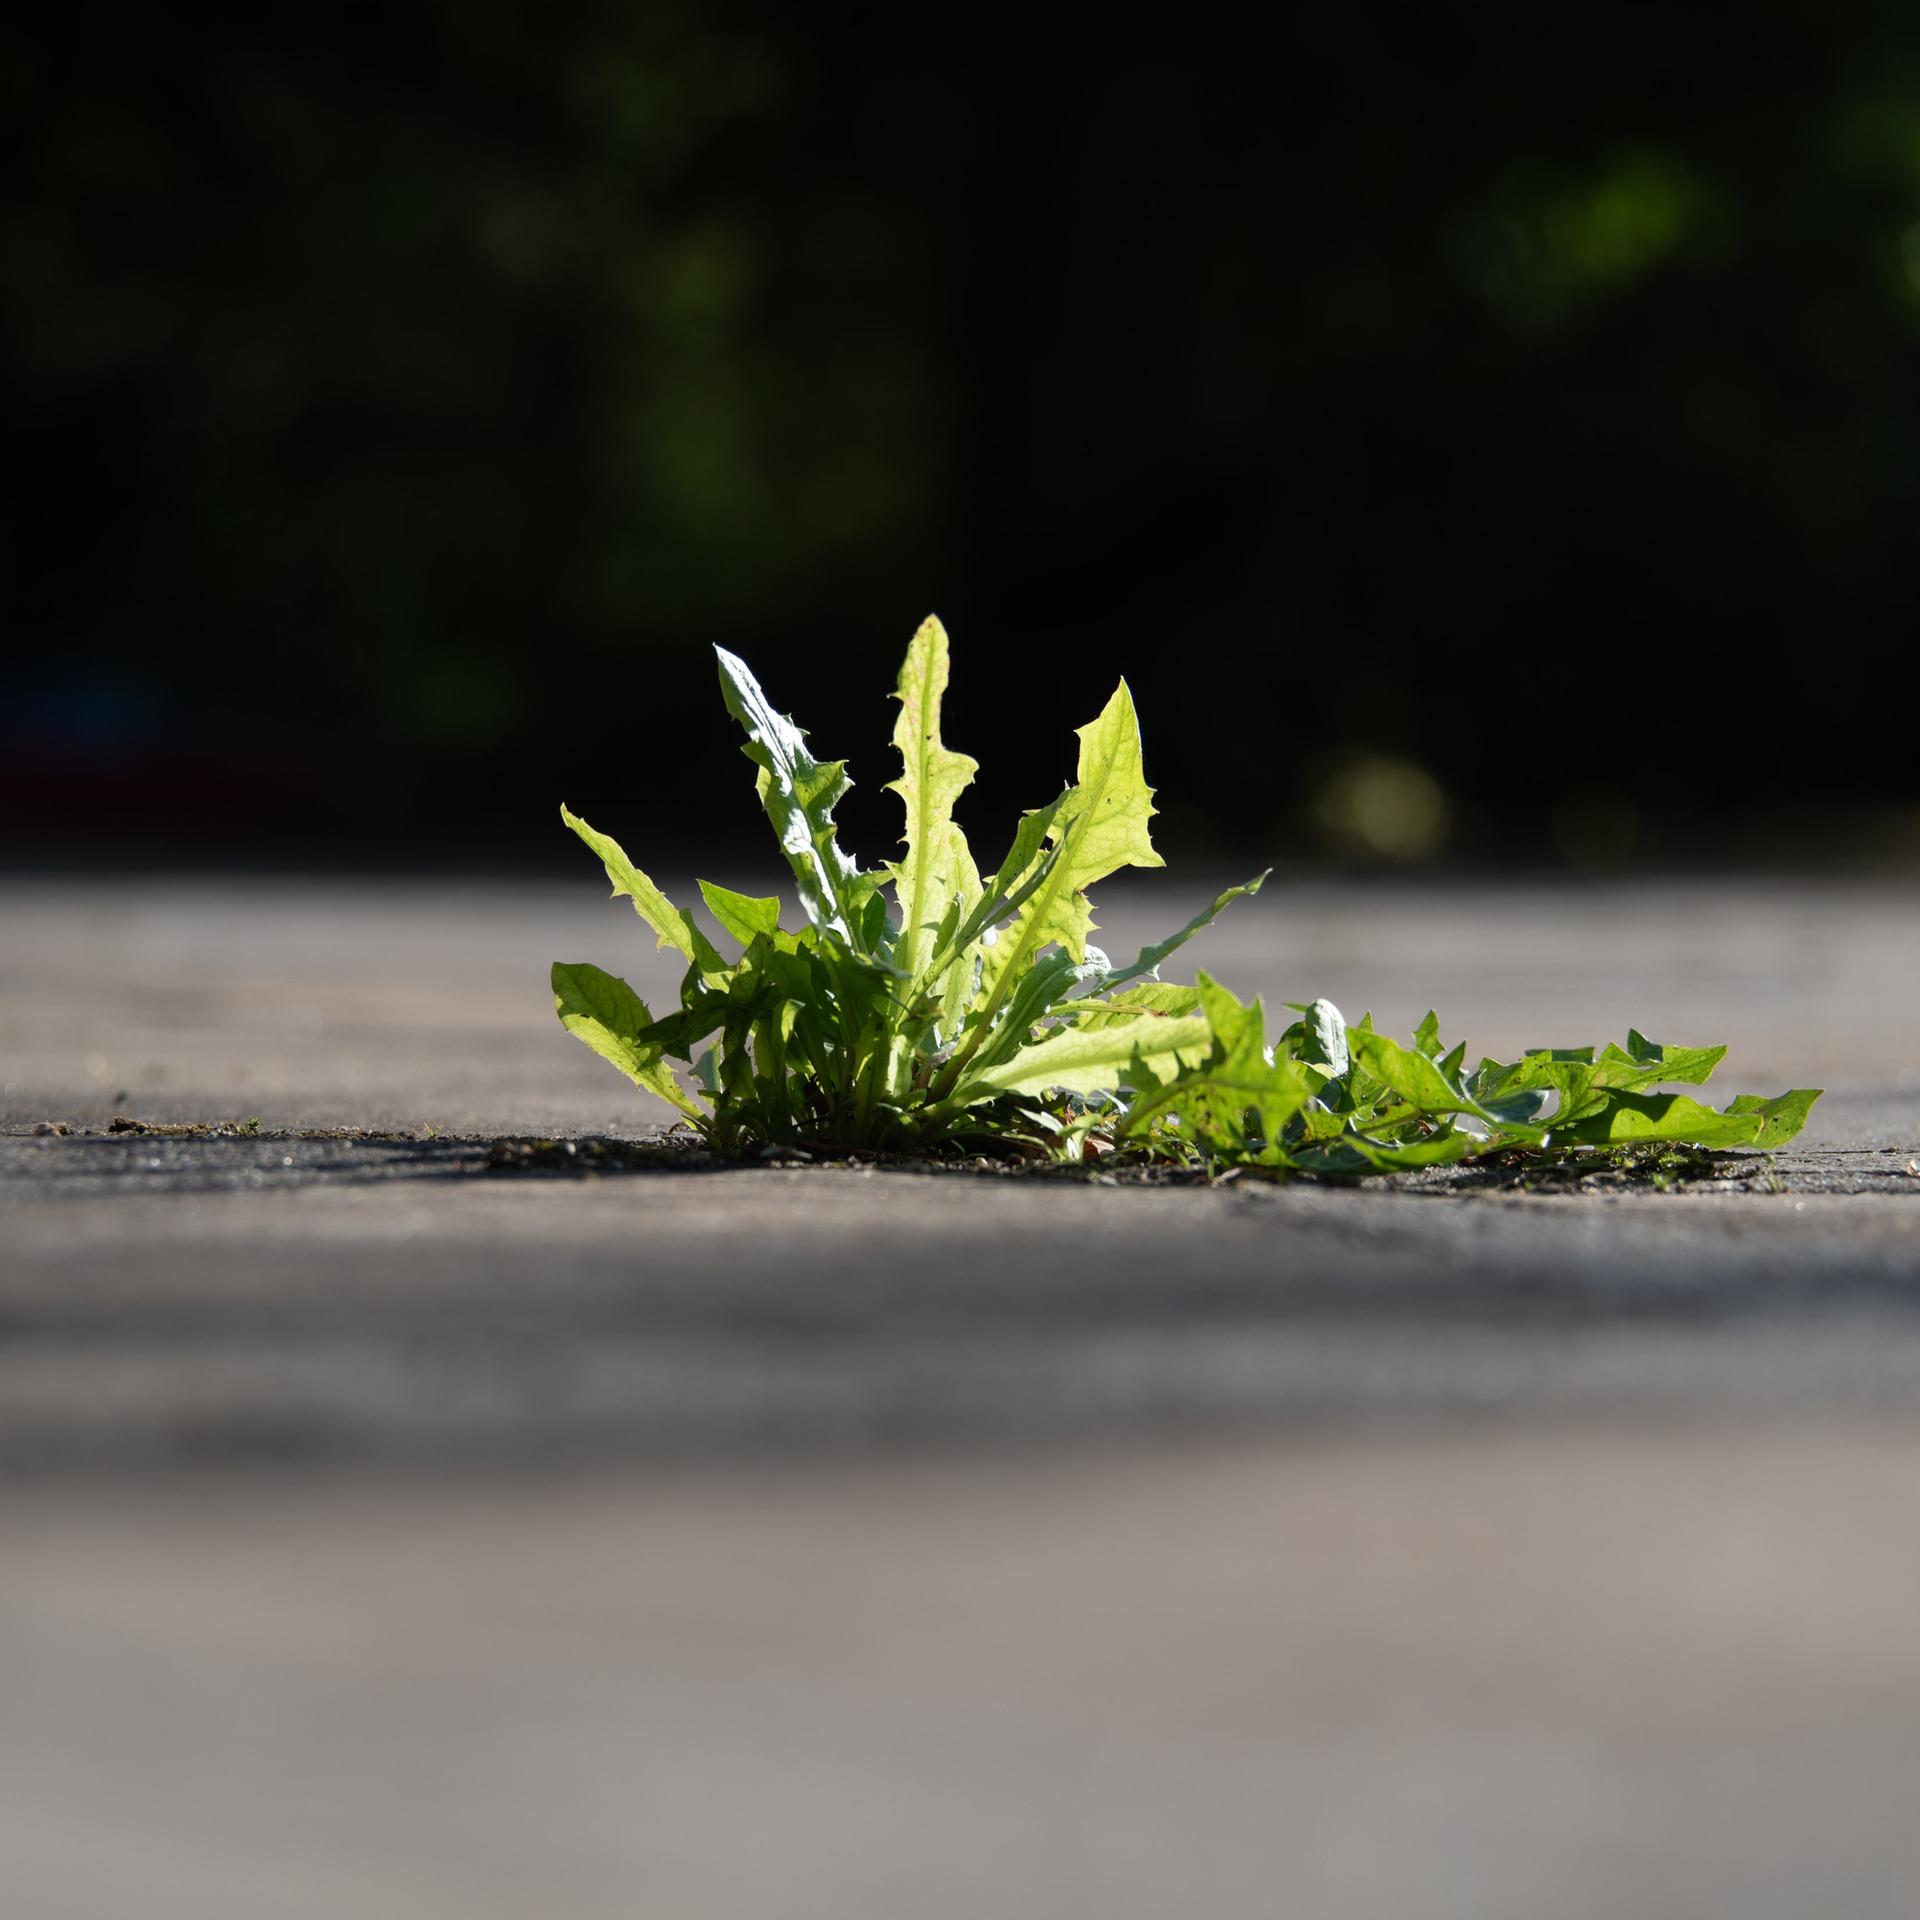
925, 726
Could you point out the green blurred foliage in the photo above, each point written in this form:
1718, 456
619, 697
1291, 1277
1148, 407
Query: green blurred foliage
1509, 369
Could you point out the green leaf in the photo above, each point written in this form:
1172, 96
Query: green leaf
1355, 1153
1111, 801
1644, 1064
962, 1022
1415, 1078
1781, 1118
1631, 1117
610, 1017
678, 1033
1542, 1068
1149, 958
1027, 867
1515, 1097
1082, 1061
799, 794
668, 922
937, 869
1212, 1098
1525, 1108
741, 914
1158, 999
1323, 1038
1100, 826
1432, 1087
1041, 986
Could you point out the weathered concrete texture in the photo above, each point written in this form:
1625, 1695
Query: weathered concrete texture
173, 1301
179, 1299
407, 1527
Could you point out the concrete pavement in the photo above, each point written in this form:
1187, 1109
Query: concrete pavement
404, 1526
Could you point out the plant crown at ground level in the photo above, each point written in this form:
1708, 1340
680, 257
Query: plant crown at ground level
972, 1012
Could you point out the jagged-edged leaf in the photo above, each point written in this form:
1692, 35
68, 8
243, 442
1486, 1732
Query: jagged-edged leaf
1099, 827
1080, 1061
1113, 802
1153, 999
668, 922
989, 1002
603, 1011
1432, 1087
1781, 1118
1214, 1099
799, 794
1412, 1075
1041, 986
1029, 863
1627, 1118
1517, 1095
741, 914
1548, 1068
937, 870
1149, 958
1317, 1121
1642, 1063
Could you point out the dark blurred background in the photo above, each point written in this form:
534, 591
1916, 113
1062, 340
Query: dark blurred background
1481, 435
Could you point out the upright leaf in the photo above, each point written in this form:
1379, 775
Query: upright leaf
1324, 1038
799, 794
1149, 958
1022, 873
1114, 801
1100, 826
937, 869
742, 914
1042, 989
668, 922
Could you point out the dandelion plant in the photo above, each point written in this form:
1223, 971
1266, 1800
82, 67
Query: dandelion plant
923, 1007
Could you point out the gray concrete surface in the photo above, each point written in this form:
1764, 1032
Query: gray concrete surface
384, 1530
403, 1297
1527, 1672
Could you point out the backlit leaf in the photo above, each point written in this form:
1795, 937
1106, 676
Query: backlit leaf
937, 871
604, 1012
